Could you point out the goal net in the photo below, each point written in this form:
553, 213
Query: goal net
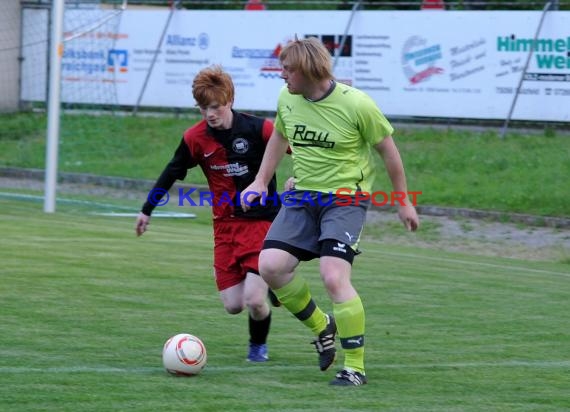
90, 29
90, 121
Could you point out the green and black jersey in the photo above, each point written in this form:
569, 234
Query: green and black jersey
332, 139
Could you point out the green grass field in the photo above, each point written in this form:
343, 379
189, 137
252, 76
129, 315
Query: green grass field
86, 307
520, 174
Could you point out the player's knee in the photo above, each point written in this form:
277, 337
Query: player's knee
266, 269
334, 281
336, 266
269, 268
233, 308
257, 306
256, 299
273, 262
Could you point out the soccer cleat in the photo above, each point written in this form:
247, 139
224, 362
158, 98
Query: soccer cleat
257, 352
349, 378
325, 344
273, 298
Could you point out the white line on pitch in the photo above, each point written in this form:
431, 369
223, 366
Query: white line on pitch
244, 369
62, 200
134, 212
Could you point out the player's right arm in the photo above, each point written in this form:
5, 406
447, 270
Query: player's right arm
274, 151
176, 169
395, 168
141, 224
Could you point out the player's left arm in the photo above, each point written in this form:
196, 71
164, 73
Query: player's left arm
395, 168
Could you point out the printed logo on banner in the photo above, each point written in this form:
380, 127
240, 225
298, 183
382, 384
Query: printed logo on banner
80, 61
182, 53
272, 68
117, 60
551, 57
264, 60
419, 59
267, 60
202, 41
256, 59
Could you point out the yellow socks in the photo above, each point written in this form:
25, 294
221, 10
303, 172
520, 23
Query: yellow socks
296, 297
350, 322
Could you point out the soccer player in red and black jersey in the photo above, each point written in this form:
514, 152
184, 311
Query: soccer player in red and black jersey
228, 146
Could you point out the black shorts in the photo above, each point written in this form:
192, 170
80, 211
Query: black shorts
306, 219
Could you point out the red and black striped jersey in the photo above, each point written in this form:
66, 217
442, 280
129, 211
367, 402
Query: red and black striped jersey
229, 159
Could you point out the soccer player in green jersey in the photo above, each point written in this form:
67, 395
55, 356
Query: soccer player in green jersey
332, 130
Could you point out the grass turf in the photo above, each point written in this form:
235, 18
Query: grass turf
87, 306
519, 174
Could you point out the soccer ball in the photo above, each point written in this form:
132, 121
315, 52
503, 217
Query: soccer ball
184, 354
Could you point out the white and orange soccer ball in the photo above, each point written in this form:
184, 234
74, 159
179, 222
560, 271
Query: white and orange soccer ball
184, 354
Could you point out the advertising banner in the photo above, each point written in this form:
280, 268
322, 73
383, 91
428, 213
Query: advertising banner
412, 63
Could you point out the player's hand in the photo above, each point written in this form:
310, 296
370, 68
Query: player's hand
142, 223
409, 217
252, 192
289, 184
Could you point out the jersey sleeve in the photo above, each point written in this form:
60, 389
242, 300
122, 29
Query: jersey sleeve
267, 130
373, 125
176, 169
278, 120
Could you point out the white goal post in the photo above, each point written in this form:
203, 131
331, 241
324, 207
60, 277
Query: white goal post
56, 48
52, 141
